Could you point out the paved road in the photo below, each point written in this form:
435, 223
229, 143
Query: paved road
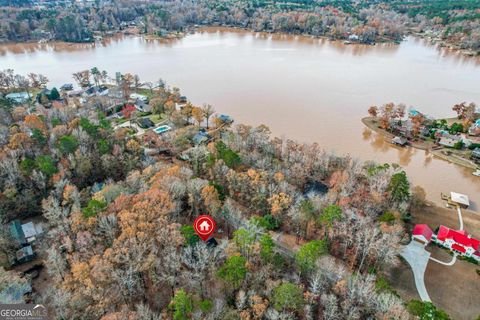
417, 257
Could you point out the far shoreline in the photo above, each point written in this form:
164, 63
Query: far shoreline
178, 35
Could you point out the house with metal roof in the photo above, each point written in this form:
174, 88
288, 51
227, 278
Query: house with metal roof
459, 241
422, 233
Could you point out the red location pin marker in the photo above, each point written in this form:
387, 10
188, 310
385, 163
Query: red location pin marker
204, 226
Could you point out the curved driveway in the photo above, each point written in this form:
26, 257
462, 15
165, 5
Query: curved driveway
417, 257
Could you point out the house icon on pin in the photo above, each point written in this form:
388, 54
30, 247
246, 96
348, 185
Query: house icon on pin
204, 226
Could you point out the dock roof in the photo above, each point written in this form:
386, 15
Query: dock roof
459, 198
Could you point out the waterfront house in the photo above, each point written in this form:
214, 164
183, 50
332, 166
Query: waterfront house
18, 97
225, 119
474, 129
75, 93
142, 106
201, 138
476, 154
136, 96
66, 87
422, 233
448, 140
400, 141
353, 37
179, 106
458, 241
96, 91
402, 128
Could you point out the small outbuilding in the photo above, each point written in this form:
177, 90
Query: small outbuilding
25, 254
460, 199
422, 233
399, 141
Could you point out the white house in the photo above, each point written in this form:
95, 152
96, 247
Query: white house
458, 241
141, 97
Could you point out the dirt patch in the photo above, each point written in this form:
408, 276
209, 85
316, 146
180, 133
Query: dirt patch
454, 289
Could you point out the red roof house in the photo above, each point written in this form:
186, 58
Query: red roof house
458, 240
422, 233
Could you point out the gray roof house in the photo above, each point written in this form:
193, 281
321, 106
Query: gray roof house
449, 140
200, 138
25, 254
18, 97
476, 153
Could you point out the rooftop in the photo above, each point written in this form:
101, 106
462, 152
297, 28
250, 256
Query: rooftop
459, 198
459, 236
423, 230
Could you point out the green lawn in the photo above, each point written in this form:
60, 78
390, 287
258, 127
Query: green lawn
156, 118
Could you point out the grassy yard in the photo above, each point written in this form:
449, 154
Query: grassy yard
156, 118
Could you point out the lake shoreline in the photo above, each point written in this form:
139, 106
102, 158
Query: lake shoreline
431, 147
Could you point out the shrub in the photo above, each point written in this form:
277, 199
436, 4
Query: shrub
189, 234
230, 157
27, 165
382, 285
103, 146
458, 145
234, 271
387, 217
67, 144
267, 222
182, 304
39, 137
288, 296
46, 165
309, 253
93, 208
89, 127
206, 305
426, 310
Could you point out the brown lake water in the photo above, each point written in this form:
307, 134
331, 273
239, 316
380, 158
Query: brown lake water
307, 89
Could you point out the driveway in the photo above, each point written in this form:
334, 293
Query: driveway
417, 257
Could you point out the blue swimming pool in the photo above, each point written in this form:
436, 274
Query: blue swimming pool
162, 129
